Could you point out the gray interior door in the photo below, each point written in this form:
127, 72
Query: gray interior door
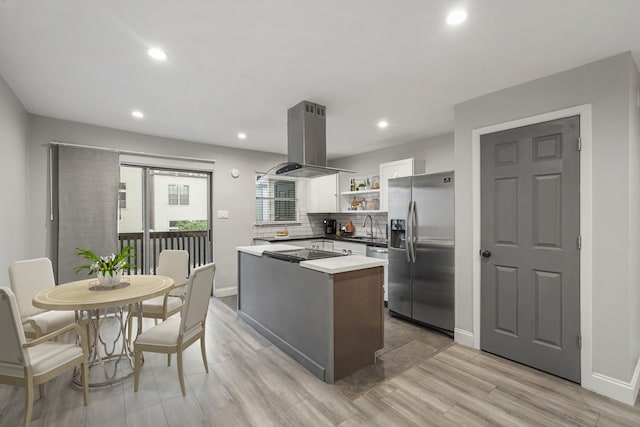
530, 210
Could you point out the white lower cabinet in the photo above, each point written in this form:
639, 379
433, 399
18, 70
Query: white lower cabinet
350, 247
331, 245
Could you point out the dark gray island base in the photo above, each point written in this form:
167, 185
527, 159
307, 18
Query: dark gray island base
332, 324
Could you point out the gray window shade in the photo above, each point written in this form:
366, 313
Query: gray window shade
276, 200
88, 186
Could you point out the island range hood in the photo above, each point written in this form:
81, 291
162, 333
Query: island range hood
307, 142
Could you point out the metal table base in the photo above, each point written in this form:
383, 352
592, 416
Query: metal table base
111, 356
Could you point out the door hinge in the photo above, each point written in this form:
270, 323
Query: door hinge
579, 242
579, 144
579, 340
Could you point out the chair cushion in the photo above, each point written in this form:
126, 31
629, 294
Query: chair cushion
154, 305
50, 355
50, 321
44, 358
166, 334
11, 370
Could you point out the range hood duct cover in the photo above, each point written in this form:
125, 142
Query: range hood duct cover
307, 142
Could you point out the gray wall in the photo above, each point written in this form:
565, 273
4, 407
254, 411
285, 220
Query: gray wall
634, 212
14, 175
604, 84
235, 195
437, 152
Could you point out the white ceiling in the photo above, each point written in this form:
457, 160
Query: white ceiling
238, 65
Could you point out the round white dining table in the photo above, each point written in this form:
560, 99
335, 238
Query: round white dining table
106, 314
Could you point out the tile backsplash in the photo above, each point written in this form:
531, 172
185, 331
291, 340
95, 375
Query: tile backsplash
311, 224
379, 222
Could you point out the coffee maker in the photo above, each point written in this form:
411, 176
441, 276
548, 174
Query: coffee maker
329, 226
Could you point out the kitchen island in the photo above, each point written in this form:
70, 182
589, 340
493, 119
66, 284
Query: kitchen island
327, 314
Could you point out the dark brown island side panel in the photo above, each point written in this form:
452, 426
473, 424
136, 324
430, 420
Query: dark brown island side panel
358, 328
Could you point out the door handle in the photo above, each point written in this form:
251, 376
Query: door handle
414, 225
485, 253
407, 241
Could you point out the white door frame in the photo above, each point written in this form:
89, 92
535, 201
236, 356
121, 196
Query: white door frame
586, 254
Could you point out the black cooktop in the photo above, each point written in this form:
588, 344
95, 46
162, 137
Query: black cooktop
297, 255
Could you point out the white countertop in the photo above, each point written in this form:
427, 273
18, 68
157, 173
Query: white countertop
325, 265
343, 264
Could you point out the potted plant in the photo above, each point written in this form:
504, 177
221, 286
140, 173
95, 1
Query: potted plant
108, 269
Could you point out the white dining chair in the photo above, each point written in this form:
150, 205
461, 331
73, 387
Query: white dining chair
27, 278
35, 362
173, 264
176, 334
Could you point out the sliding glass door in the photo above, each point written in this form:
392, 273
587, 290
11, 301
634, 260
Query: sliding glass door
164, 209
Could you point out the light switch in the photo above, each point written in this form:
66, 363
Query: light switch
223, 214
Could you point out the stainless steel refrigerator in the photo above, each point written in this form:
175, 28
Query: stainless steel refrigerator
421, 249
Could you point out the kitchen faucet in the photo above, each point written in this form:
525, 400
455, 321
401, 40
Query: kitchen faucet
364, 223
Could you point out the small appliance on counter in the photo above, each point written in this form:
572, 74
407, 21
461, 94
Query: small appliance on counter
329, 226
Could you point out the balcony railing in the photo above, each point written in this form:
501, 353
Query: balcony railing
194, 242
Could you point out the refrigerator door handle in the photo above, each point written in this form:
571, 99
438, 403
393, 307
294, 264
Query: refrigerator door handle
414, 223
408, 239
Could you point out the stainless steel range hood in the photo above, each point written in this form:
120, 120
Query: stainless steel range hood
307, 142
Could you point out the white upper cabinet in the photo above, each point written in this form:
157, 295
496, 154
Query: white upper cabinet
322, 194
397, 169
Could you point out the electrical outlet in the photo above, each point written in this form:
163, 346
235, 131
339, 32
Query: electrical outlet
223, 214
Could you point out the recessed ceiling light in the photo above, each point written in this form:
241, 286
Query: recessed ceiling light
456, 17
242, 135
137, 114
157, 54
383, 124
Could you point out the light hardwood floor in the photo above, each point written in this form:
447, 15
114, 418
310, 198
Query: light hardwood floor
420, 379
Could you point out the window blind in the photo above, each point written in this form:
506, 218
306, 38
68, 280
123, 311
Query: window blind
88, 191
276, 200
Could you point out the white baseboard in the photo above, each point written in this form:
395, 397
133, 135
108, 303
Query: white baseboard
463, 337
626, 392
225, 292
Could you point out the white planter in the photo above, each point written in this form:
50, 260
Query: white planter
107, 280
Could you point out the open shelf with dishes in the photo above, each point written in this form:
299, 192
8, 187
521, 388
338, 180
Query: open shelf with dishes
361, 201
361, 194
